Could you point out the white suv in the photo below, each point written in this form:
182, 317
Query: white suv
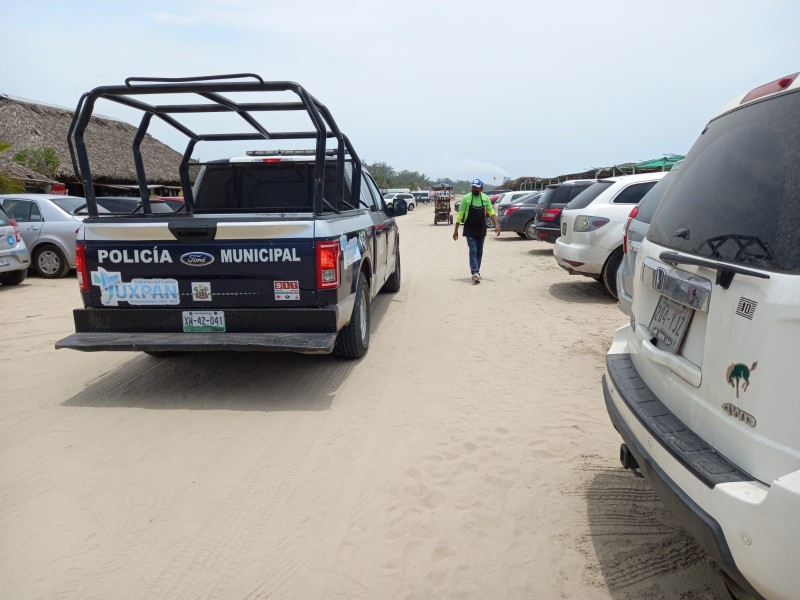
701, 384
592, 223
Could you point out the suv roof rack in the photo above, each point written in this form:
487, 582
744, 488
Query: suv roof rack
211, 88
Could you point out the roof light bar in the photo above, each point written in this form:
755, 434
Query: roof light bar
328, 152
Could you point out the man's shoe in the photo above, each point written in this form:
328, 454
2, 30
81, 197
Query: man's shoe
476, 278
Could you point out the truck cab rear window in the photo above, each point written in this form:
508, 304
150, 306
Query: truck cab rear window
265, 187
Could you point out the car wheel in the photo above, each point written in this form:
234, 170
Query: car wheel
530, 230
50, 262
14, 278
610, 272
353, 340
522, 235
410, 206
392, 284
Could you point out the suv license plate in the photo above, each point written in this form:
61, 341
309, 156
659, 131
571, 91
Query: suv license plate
4, 262
669, 323
201, 321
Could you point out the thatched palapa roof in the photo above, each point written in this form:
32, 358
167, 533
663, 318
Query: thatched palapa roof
27, 125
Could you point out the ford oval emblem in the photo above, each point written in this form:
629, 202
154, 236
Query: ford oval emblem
197, 259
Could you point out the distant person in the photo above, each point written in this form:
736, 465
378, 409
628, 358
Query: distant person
472, 213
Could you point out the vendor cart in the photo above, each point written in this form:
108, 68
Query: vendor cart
442, 194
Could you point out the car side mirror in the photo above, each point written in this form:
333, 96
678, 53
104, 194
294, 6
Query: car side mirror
399, 208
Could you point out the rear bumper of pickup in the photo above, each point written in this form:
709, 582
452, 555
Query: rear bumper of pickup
304, 330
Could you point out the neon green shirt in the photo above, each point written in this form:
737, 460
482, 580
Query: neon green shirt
472, 199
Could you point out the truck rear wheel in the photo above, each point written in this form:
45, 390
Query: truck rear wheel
353, 340
392, 284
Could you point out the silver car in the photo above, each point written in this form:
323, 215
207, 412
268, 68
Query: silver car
633, 235
14, 256
48, 227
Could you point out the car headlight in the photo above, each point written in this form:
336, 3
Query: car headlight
588, 223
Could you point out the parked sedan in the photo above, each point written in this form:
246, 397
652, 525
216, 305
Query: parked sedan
508, 199
519, 216
14, 256
48, 228
592, 223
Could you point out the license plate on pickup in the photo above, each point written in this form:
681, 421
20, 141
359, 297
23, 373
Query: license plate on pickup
669, 323
202, 321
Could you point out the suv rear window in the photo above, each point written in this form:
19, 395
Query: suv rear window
649, 204
588, 195
265, 187
3, 218
736, 196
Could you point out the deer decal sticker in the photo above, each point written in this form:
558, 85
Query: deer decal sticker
738, 372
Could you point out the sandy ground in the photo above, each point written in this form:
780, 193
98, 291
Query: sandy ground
468, 455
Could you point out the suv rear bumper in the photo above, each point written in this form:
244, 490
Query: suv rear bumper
305, 330
547, 232
748, 528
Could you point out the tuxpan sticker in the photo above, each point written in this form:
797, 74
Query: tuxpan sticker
287, 290
11, 240
197, 259
352, 252
201, 290
137, 292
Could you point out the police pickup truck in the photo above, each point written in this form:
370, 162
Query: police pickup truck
275, 250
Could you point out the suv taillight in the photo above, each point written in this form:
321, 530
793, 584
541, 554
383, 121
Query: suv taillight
13, 223
631, 216
80, 266
550, 214
327, 254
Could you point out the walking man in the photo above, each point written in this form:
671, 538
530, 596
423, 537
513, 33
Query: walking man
472, 213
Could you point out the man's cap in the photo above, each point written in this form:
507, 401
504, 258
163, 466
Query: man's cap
477, 183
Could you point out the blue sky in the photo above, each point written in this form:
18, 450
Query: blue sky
456, 89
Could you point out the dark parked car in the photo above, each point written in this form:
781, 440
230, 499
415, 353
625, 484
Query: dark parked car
547, 224
519, 216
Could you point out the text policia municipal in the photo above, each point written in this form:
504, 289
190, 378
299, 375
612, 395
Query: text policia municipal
156, 255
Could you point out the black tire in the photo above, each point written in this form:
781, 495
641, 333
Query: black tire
530, 230
610, 272
522, 235
392, 284
353, 340
49, 262
14, 278
410, 206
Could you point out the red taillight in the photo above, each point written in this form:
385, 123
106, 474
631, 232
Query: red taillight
271, 160
631, 216
770, 88
550, 214
13, 223
328, 265
511, 209
80, 266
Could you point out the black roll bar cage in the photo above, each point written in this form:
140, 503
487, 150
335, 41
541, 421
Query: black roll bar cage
211, 88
